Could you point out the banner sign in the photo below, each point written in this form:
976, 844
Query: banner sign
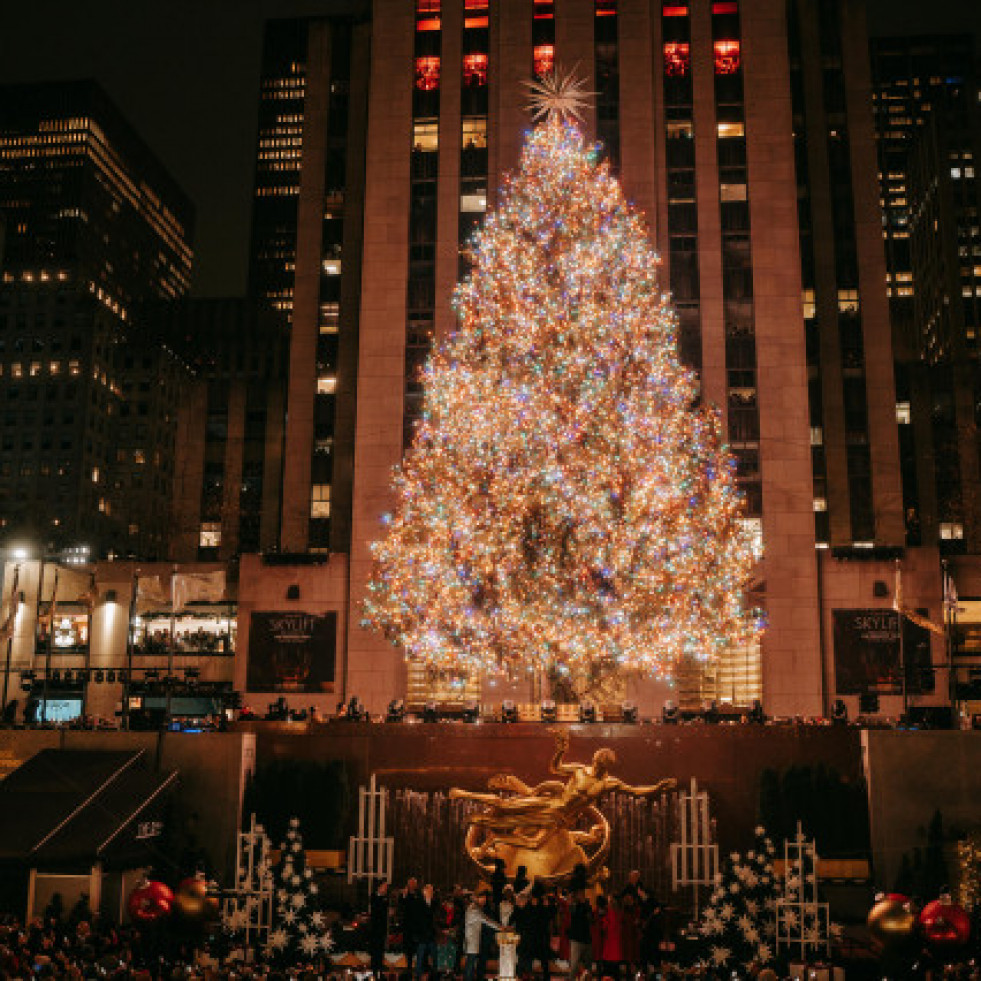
867, 654
292, 652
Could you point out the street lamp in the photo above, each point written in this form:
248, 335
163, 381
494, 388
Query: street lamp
19, 554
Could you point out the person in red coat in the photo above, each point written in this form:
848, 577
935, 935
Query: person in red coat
611, 931
630, 929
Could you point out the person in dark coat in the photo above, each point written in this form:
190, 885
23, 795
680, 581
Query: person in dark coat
407, 901
378, 927
521, 880
424, 914
523, 924
542, 926
580, 936
498, 881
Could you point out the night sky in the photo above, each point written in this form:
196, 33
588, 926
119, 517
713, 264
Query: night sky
185, 73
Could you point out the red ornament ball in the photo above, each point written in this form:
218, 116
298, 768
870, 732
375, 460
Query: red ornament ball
149, 902
944, 923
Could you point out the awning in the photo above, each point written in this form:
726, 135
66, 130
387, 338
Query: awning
75, 807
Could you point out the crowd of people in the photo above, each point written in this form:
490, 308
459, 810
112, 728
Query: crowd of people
605, 935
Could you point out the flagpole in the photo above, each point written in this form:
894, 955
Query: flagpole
47, 660
898, 603
14, 603
170, 646
949, 608
129, 647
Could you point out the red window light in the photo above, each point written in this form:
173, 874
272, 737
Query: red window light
544, 10
677, 59
725, 7
475, 5
674, 10
474, 70
606, 8
427, 15
727, 57
469, 22
544, 59
427, 74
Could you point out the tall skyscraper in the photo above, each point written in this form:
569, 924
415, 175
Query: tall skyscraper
305, 257
695, 113
927, 120
94, 225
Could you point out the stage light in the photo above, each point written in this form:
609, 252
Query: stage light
756, 713
111, 677
56, 677
430, 713
628, 712
99, 677
839, 712
587, 712
548, 712
670, 713
395, 711
509, 711
471, 712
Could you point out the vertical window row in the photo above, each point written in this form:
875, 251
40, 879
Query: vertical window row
253, 458
278, 157
331, 268
543, 38
421, 298
473, 109
737, 263
607, 73
812, 332
851, 343
213, 484
680, 160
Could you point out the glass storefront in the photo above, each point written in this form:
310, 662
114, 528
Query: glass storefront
208, 631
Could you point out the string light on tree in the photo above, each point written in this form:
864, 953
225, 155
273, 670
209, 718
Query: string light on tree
566, 502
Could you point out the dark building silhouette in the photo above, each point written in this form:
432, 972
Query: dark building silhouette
94, 225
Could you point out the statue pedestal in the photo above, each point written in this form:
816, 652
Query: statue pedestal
507, 957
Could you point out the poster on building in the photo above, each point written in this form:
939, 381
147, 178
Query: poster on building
291, 652
868, 659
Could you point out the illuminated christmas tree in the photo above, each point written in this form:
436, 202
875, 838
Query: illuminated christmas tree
565, 503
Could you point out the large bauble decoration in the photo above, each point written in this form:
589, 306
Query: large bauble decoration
194, 902
891, 920
944, 923
149, 902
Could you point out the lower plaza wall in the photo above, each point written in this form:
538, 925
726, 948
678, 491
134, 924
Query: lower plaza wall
909, 774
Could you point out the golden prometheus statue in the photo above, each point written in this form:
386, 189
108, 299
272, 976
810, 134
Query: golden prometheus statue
552, 827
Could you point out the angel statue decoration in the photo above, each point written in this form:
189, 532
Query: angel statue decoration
552, 827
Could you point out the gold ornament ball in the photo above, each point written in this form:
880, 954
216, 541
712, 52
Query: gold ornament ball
192, 901
891, 920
